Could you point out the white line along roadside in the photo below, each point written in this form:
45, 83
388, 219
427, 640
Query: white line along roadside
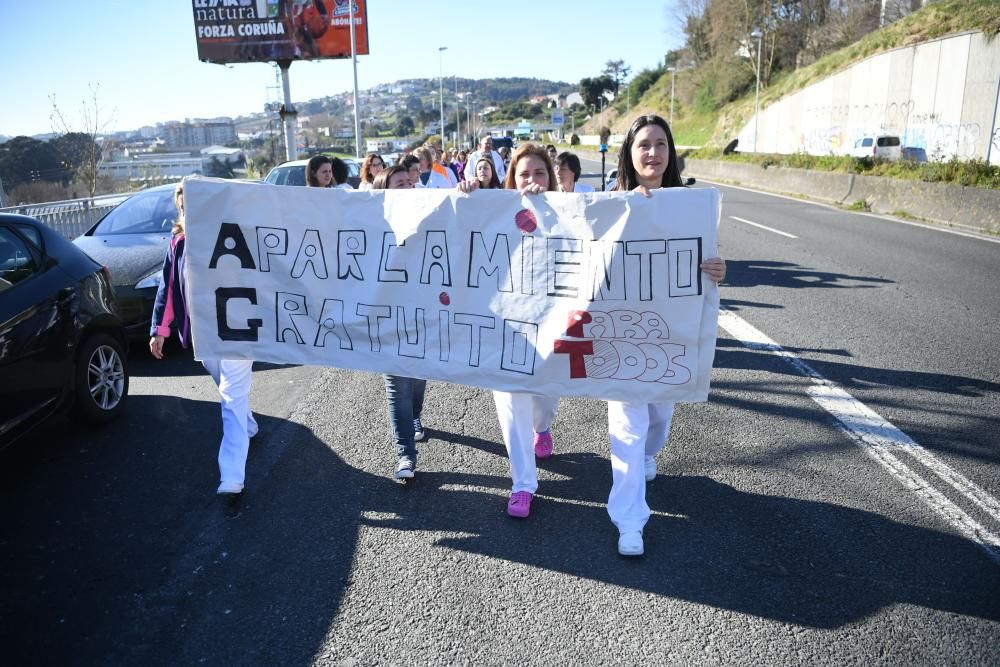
765, 227
879, 439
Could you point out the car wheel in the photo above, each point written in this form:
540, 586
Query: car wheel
101, 379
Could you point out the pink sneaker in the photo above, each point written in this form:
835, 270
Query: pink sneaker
543, 444
519, 504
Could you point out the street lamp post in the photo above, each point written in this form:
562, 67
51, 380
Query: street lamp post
756, 34
458, 114
673, 75
441, 50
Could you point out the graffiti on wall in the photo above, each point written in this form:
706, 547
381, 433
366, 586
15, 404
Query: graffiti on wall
926, 130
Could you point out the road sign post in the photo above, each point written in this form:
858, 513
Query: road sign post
605, 135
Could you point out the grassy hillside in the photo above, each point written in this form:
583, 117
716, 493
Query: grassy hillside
715, 128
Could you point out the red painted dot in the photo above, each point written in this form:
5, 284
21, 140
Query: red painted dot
525, 221
444, 298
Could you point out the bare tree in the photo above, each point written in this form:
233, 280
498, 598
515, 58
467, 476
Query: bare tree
93, 125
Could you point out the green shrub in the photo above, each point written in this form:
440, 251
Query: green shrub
574, 140
973, 173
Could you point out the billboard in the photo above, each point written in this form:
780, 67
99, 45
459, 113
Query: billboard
241, 31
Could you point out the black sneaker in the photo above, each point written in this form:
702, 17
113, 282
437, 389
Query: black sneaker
405, 468
418, 431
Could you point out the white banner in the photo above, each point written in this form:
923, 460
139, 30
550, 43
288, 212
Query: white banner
594, 294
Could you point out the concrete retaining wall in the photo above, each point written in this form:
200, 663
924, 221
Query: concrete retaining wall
939, 96
977, 209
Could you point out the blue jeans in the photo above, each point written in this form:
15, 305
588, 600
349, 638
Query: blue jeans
405, 397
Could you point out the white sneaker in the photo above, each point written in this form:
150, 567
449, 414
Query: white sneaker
405, 468
229, 488
649, 465
630, 543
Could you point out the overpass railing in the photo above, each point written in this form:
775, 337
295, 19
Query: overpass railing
70, 217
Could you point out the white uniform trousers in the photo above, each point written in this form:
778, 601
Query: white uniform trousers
637, 430
233, 378
543, 412
516, 414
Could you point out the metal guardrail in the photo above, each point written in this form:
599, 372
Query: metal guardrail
71, 217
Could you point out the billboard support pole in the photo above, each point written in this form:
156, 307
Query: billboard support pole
288, 112
354, 65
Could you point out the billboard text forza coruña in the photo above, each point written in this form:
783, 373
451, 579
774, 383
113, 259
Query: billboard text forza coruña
240, 31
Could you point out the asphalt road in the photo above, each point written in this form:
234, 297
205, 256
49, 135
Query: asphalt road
780, 535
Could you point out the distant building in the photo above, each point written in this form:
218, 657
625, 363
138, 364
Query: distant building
199, 132
386, 145
147, 132
170, 166
223, 153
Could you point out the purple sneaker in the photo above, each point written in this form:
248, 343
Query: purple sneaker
519, 504
543, 444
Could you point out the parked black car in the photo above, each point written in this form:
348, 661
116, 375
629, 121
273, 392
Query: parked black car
62, 343
131, 240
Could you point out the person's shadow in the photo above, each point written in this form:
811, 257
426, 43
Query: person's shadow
146, 566
754, 273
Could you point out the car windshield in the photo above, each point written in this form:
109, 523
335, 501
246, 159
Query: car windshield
151, 212
287, 176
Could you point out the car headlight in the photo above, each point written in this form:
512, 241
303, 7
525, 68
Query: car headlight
152, 280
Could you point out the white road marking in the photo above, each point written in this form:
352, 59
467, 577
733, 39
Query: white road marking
770, 229
878, 438
934, 228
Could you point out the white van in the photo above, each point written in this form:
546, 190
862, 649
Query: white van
885, 146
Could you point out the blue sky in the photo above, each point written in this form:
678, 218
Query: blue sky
142, 53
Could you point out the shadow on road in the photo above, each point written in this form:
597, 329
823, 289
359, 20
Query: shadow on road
116, 550
754, 273
176, 362
970, 427
732, 354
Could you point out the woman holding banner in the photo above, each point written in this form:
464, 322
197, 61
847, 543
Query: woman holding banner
403, 395
638, 431
525, 419
232, 376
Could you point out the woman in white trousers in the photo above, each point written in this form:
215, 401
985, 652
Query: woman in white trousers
232, 376
647, 161
525, 419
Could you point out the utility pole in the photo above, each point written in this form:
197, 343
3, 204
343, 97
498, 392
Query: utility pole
441, 50
288, 113
673, 75
756, 34
458, 115
354, 65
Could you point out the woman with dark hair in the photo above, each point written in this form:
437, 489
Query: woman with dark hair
567, 166
486, 174
340, 174
404, 395
656, 168
319, 172
370, 168
412, 165
638, 431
